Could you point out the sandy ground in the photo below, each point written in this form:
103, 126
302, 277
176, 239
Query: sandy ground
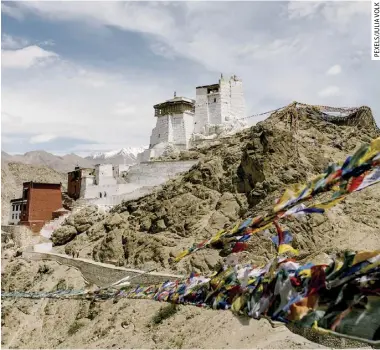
49, 323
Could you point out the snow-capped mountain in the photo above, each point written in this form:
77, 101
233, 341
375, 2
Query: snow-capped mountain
126, 155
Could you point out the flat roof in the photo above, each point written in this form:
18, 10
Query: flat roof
176, 100
208, 86
18, 200
37, 184
72, 171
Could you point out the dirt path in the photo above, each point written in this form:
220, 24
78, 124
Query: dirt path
102, 274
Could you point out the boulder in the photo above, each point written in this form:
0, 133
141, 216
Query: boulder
63, 235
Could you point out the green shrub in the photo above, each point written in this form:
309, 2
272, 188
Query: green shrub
164, 312
75, 327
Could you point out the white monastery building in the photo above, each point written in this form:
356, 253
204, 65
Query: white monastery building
217, 108
217, 104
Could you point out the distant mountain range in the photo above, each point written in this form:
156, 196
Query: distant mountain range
70, 161
124, 156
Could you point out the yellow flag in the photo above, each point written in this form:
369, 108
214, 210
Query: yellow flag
181, 255
283, 248
365, 255
329, 204
237, 304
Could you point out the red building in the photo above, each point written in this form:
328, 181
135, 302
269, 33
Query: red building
74, 181
42, 199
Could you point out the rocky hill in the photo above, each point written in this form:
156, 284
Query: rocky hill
14, 174
236, 177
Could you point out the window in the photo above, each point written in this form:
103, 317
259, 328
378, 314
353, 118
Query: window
105, 194
214, 99
100, 194
13, 216
25, 194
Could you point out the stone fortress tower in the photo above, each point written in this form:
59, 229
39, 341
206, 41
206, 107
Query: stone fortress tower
218, 109
175, 122
218, 104
174, 127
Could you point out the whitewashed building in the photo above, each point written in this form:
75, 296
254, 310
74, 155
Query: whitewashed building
218, 104
217, 108
174, 126
103, 182
16, 206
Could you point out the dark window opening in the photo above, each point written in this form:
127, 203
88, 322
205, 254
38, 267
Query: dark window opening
214, 99
25, 194
100, 194
105, 194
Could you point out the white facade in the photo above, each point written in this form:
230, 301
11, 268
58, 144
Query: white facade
118, 170
218, 104
174, 126
15, 214
218, 109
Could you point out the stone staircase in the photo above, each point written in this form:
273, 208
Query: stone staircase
52, 225
73, 206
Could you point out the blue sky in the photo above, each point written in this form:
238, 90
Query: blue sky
83, 76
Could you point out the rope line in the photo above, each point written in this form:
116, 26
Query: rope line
303, 105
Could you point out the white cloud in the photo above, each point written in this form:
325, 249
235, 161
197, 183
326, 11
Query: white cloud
279, 59
334, 70
343, 13
26, 57
338, 13
329, 91
12, 11
42, 138
9, 42
299, 9
57, 100
123, 109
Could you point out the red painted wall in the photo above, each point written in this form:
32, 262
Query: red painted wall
43, 199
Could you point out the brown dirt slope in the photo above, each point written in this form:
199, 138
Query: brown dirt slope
239, 176
235, 177
81, 324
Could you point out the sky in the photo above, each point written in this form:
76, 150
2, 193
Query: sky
80, 77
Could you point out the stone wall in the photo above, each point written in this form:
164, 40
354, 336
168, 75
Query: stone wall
162, 132
101, 274
104, 175
237, 104
216, 108
156, 173
141, 179
201, 110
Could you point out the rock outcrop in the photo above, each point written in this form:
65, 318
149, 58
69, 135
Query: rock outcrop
235, 177
77, 223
